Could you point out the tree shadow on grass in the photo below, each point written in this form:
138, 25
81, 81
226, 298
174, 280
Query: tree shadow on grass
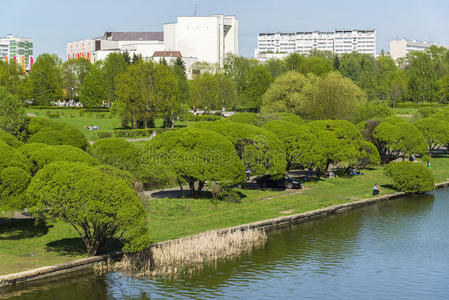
75, 246
388, 186
23, 229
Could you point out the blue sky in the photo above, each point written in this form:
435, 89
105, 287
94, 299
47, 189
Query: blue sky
53, 23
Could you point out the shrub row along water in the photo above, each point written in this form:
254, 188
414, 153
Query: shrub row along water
185, 255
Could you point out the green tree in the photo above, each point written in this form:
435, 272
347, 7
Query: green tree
294, 61
435, 132
197, 156
12, 115
74, 72
316, 65
331, 97
285, 94
46, 80
179, 69
410, 177
443, 89
422, 83
395, 138
213, 91
259, 149
146, 91
14, 80
93, 91
238, 68
276, 67
258, 81
112, 67
98, 205
290, 136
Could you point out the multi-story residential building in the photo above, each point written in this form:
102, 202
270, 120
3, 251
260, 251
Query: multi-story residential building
400, 48
18, 49
278, 45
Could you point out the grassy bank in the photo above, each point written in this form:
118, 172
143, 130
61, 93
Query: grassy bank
23, 246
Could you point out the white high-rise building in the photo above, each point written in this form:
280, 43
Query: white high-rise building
400, 48
207, 39
278, 45
18, 49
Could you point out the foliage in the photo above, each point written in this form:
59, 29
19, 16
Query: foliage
13, 182
410, 177
259, 149
291, 138
112, 67
443, 89
46, 80
245, 118
12, 115
74, 72
212, 92
258, 81
11, 157
425, 112
9, 139
97, 204
147, 90
422, 83
333, 141
93, 91
116, 152
289, 117
276, 67
285, 94
14, 80
55, 133
331, 97
371, 110
395, 138
49, 154
435, 132
197, 156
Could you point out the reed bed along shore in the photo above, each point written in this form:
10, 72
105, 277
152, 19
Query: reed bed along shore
189, 254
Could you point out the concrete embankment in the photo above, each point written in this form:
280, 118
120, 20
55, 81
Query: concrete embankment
84, 263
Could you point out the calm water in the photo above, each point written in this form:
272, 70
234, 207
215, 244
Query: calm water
394, 250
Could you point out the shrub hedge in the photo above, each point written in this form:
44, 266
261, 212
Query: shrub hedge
410, 177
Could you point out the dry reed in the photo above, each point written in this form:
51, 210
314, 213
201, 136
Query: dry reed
190, 254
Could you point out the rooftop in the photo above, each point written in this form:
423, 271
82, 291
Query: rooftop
134, 36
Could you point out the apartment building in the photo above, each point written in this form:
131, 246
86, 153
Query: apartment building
400, 48
279, 45
18, 49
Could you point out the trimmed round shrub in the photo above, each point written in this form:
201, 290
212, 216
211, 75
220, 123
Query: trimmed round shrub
288, 117
410, 177
51, 154
245, 118
56, 133
13, 181
9, 139
11, 157
116, 152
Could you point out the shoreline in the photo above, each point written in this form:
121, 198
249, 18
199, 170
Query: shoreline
85, 263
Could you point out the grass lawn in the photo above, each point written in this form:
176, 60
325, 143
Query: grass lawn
22, 246
80, 120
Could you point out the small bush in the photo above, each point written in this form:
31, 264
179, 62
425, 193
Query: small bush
56, 133
198, 118
104, 134
425, 112
11, 157
9, 139
13, 181
53, 114
246, 118
410, 177
116, 152
51, 154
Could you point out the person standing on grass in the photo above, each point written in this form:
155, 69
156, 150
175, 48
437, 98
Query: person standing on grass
248, 173
376, 190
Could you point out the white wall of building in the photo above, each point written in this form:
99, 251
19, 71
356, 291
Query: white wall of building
208, 39
18, 49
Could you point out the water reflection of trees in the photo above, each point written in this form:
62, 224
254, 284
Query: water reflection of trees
79, 285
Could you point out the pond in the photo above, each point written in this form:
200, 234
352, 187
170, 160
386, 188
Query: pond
393, 250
